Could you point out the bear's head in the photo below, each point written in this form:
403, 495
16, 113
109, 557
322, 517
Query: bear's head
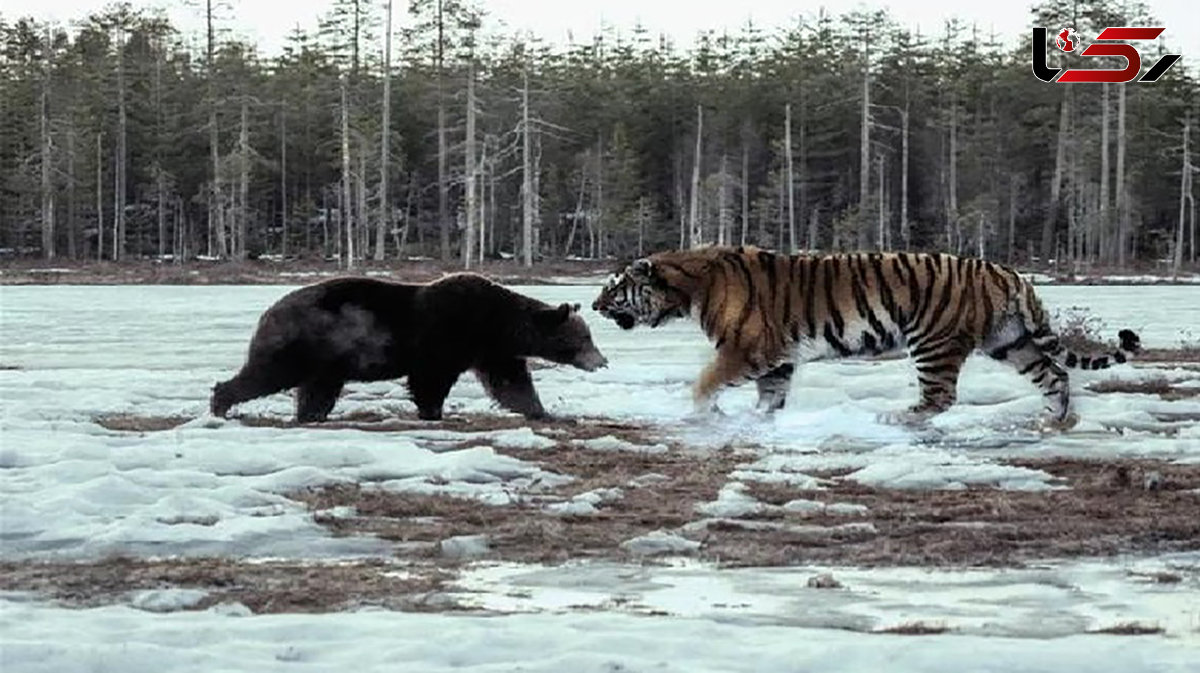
563, 337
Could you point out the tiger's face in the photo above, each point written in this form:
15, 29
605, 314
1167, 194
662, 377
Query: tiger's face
638, 296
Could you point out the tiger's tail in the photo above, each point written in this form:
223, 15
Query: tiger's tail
1050, 344
1037, 321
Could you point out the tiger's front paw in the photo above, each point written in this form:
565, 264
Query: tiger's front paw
912, 417
1051, 423
705, 409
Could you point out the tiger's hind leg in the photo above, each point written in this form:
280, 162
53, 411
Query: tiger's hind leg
773, 387
1033, 363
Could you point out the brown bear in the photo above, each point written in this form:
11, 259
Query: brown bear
319, 337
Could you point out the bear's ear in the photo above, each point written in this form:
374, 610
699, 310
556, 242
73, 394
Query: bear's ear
641, 269
575, 307
549, 318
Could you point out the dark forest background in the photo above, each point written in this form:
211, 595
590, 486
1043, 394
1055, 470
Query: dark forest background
122, 138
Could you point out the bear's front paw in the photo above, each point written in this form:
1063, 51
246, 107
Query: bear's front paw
429, 414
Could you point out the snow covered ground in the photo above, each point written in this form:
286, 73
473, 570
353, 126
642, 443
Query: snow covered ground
72, 489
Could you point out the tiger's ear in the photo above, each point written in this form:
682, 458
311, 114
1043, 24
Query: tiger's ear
641, 269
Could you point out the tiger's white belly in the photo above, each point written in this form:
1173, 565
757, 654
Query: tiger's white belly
853, 339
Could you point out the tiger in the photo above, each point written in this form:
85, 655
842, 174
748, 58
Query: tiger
768, 312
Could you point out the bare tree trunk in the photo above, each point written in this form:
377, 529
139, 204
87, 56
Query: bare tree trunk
1060, 156
243, 180
696, 236
881, 234
116, 189
469, 234
72, 223
47, 156
181, 232
537, 192
363, 244
1105, 232
216, 219
283, 185
781, 212
1192, 218
161, 189
722, 203
385, 205
492, 208
812, 230
905, 234
981, 236
1184, 175
347, 200
443, 177
99, 196
791, 177
642, 216
159, 167
683, 224
803, 172
745, 190
599, 206
952, 192
526, 175
1012, 215
864, 150
122, 150
1119, 185
483, 228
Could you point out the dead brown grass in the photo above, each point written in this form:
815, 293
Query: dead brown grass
1183, 354
377, 421
526, 531
136, 423
1156, 386
914, 629
1130, 629
267, 587
1108, 509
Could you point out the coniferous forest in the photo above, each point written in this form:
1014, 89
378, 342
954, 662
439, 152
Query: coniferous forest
123, 138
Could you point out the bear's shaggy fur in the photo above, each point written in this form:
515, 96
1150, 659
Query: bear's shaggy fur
358, 329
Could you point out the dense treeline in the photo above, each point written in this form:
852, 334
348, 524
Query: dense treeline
120, 138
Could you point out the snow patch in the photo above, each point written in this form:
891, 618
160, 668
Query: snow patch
659, 542
612, 443
167, 600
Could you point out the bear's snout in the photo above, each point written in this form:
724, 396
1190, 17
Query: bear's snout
590, 361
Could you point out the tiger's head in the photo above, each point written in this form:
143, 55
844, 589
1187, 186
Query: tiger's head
641, 295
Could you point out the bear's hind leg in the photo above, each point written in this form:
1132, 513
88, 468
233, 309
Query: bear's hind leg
252, 382
508, 382
315, 399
